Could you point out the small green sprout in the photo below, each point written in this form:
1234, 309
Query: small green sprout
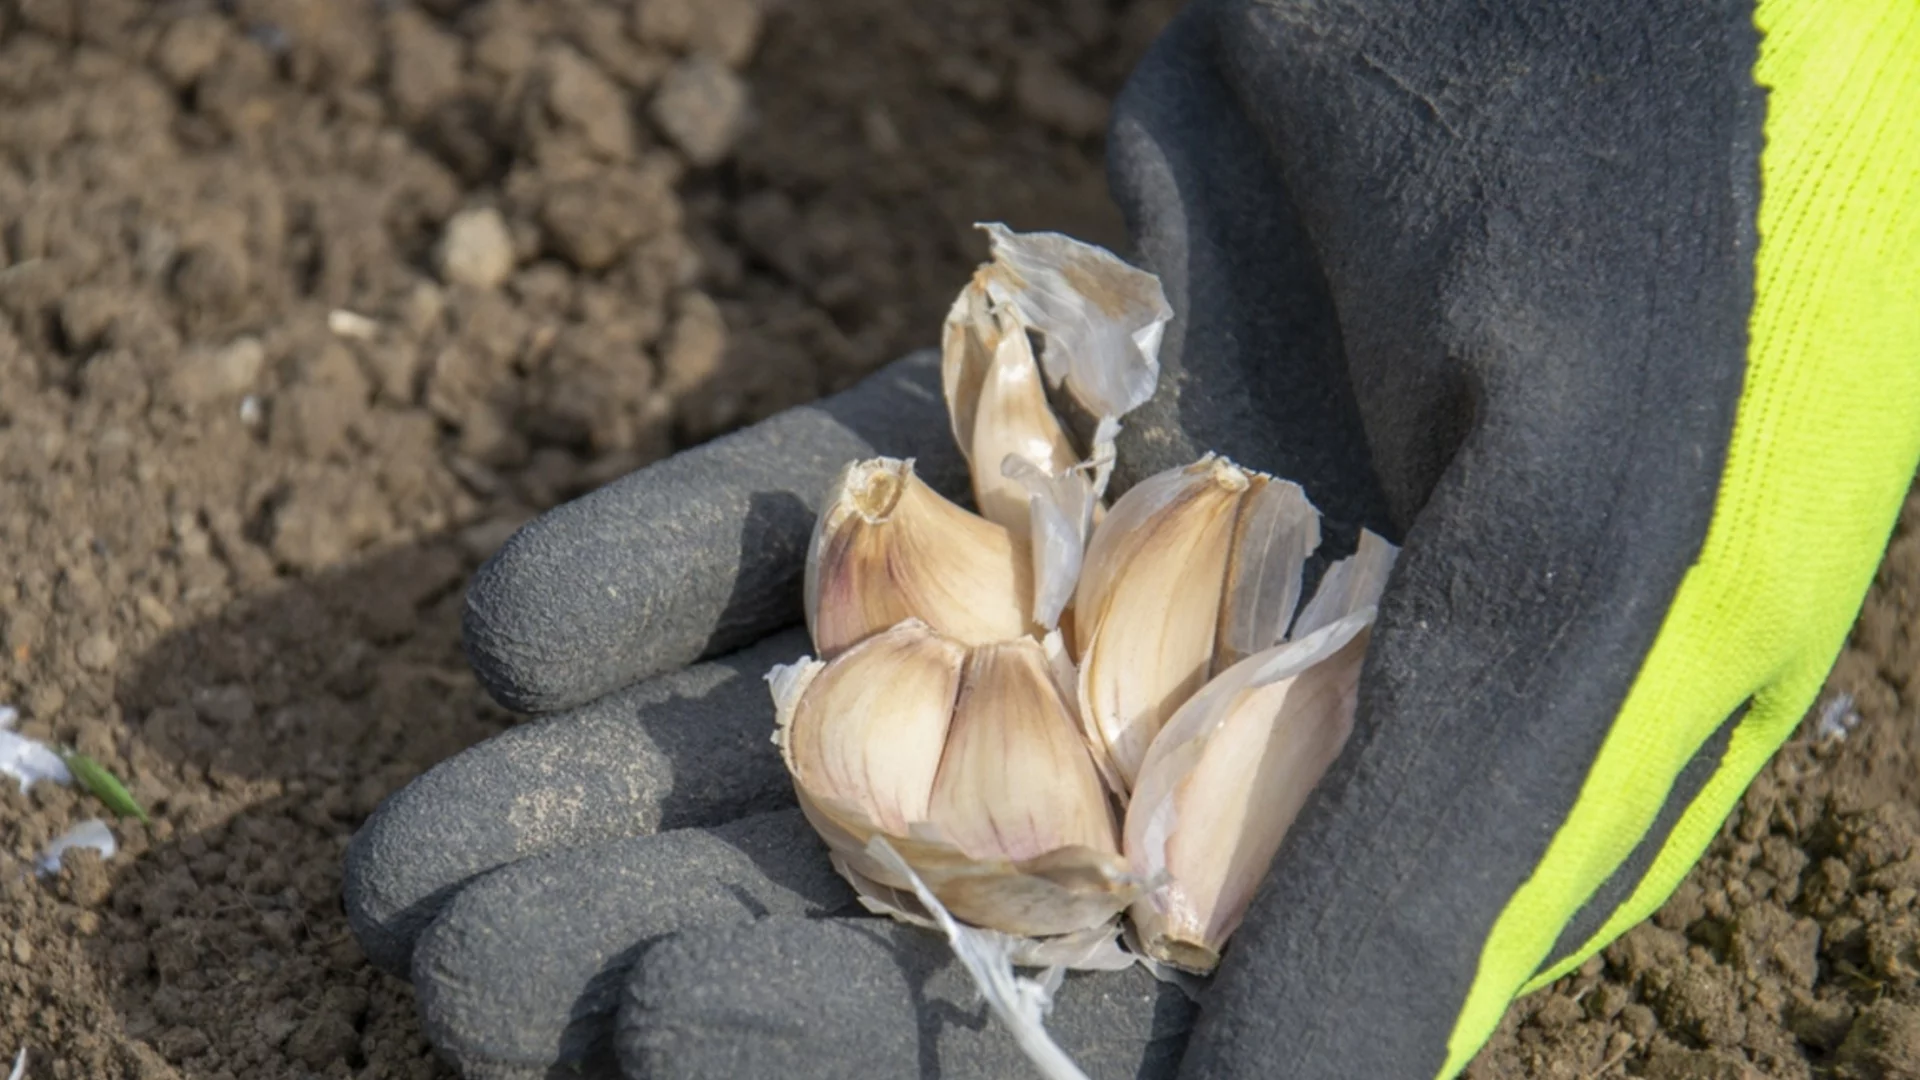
105, 786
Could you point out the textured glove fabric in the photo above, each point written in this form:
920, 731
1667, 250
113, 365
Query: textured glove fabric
695, 556
685, 750
1579, 313
834, 998
1823, 448
499, 993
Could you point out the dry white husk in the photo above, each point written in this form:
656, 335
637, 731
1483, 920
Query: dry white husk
1159, 700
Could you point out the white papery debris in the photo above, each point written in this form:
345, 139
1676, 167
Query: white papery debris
91, 833
1838, 718
19, 1065
1102, 319
27, 761
1021, 1004
1061, 512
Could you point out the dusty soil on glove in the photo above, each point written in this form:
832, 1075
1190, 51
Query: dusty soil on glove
304, 307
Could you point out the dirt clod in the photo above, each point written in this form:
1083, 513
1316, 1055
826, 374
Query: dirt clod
1882, 1044
210, 373
702, 107
476, 250
1058, 100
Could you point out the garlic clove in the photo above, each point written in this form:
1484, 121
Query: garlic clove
867, 730
1016, 782
1102, 321
1123, 531
1009, 418
968, 340
1075, 892
1147, 606
1226, 779
871, 736
1227, 776
1066, 891
888, 548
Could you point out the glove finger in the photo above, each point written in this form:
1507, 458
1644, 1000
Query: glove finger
794, 999
690, 557
686, 749
523, 969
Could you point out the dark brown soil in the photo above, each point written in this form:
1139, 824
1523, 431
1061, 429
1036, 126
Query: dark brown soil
303, 307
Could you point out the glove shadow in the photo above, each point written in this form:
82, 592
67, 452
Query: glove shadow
1253, 365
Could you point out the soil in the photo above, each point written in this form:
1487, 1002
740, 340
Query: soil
304, 307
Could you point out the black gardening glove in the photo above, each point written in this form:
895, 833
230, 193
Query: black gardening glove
1480, 276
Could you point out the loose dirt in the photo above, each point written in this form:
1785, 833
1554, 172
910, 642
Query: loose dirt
304, 307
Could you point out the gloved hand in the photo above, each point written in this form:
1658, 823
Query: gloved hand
1510, 282
634, 854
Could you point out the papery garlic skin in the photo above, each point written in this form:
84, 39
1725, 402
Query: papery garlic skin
888, 547
1103, 319
1063, 509
1350, 584
1020, 850
1276, 530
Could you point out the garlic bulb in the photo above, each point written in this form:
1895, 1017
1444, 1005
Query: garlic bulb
1032, 720
888, 547
1194, 566
970, 763
1227, 776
